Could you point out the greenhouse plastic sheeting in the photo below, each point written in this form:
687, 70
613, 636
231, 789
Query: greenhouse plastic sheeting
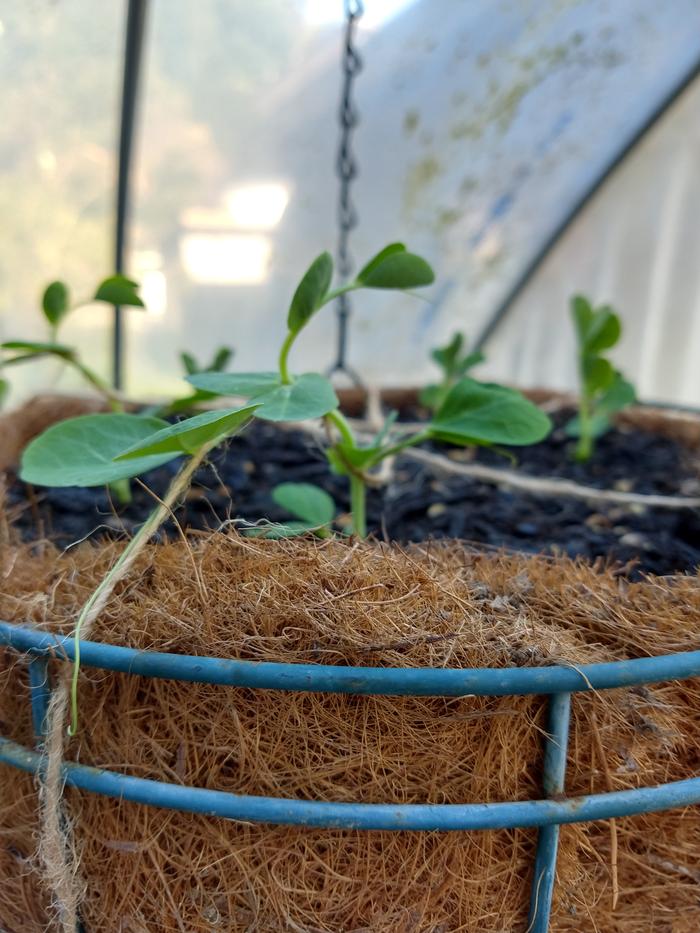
481, 125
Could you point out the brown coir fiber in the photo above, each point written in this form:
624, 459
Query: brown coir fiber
154, 870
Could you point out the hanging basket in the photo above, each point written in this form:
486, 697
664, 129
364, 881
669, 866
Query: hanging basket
293, 750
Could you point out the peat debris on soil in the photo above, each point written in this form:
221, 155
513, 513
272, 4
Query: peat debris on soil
417, 504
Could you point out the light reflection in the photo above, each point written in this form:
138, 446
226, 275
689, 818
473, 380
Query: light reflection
225, 259
257, 206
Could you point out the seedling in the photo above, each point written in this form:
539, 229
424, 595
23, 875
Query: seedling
56, 306
454, 363
603, 389
313, 510
219, 362
94, 449
470, 413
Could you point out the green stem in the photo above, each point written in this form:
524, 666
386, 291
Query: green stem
344, 429
106, 586
340, 290
410, 441
584, 447
115, 403
121, 488
284, 353
358, 498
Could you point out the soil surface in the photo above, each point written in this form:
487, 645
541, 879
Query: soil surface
418, 503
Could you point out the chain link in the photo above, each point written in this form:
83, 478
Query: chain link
346, 167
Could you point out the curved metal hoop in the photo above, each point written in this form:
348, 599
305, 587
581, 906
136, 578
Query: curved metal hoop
546, 814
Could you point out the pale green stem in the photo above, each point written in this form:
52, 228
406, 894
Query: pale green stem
115, 403
122, 491
284, 353
99, 597
344, 429
402, 445
584, 446
358, 497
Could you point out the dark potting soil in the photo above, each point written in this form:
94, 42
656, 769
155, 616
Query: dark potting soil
419, 503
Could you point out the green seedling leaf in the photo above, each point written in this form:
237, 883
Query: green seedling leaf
432, 396
80, 451
241, 384
620, 394
309, 503
189, 363
597, 329
344, 458
310, 292
375, 262
598, 374
603, 331
34, 348
308, 396
469, 362
597, 426
383, 433
394, 267
4, 389
582, 314
55, 303
483, 413
276, 530
118, 290
446, 357
211, 427
222, 358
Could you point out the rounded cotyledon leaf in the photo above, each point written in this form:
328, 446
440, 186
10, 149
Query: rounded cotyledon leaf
310, 292
482, 413
36, 348
395, 267
307, 396
243, 384
189, 435
80, 451
55, 302
308, 502
119, 290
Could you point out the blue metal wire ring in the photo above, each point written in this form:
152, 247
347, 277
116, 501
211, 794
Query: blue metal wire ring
547, 814
327, 678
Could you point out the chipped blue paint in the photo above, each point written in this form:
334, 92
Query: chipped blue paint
554, 772
374, 816
39, 694
324, 678
547, 814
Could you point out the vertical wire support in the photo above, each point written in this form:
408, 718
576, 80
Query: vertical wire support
553, 778
346, 168
39, 694
133, 45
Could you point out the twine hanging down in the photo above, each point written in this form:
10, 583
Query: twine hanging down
346, 167
57, 851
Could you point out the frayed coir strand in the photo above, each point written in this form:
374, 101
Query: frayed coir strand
364, 604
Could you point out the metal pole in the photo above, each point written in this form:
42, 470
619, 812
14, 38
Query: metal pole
133, 45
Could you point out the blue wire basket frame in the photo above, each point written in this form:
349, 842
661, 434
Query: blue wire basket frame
553, 810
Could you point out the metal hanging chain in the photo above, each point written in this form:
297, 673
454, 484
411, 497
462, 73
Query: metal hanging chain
346, 167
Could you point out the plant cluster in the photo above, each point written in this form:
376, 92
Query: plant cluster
603, 389
454, 362
56, 305
94, 449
